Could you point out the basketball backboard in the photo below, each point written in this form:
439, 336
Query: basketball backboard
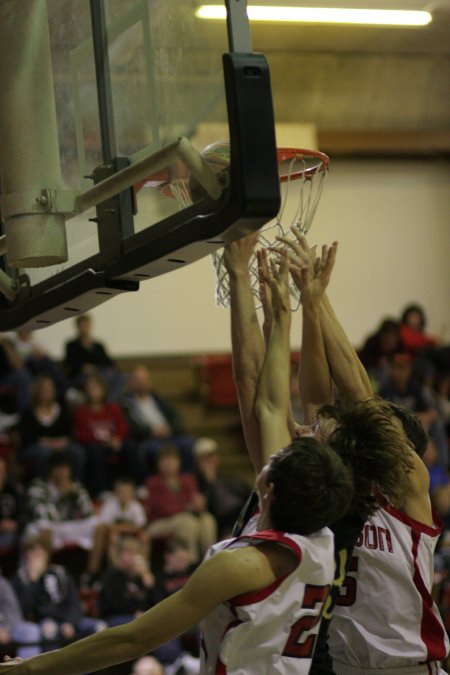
118, 98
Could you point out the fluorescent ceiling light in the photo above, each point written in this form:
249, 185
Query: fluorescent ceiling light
380, 17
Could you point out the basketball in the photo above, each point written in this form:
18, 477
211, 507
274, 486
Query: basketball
217, 155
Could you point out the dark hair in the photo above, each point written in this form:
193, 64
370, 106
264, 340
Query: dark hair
174, 544
389, 326
413, 428
101, 383
414, 309
373, 447
36, 387
124, 480
81, 318
312, 487
38, 542
59, 459
169, 450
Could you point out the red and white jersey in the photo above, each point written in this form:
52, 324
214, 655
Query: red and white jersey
271, 631
385, 616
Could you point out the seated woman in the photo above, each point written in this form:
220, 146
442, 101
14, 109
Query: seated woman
176, 507
432, 356
101, 427
46, 428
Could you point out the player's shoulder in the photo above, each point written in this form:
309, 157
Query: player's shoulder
259, 564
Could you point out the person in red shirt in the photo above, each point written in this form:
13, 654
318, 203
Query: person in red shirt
175, 507
431, 355
101, 427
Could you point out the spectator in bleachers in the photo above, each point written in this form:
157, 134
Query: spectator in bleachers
175, 507
61, 511
13, 375
148, 665
432, 356
46, 428
176, 570
13, 628
36, 360
379, 347
402, 388
49, 598
124, 513
225, 495
438, 474
11, 509
153, 423
127, 586
101, 427
84, 356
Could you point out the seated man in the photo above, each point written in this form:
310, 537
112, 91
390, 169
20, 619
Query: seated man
225, 494
153, 422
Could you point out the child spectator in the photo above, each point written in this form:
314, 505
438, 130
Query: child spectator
177, 568
46, 429
101, 427
176, 507
124, 514
48, 597
127, 587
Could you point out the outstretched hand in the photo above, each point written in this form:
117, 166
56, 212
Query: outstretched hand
9, 665
311, 274
237, 253
274, 283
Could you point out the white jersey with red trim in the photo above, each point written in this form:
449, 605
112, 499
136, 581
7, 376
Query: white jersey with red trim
385, 616
272, 631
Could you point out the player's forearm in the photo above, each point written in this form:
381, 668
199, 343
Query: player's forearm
347, 370
246, 336
163, 622
272, 405
248, 356
315, 384
94, 653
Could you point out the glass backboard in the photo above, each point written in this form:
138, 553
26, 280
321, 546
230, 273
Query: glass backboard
130, 79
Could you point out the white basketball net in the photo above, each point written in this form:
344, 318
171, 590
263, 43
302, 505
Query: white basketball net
302, 180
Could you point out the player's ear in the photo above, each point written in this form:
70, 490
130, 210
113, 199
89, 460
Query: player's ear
269, 492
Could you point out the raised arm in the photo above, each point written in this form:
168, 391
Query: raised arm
348, 373
273, 401
246, 339
311, 277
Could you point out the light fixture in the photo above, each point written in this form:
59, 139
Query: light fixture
374, 17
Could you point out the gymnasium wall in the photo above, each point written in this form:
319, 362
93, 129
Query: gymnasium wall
391, 219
